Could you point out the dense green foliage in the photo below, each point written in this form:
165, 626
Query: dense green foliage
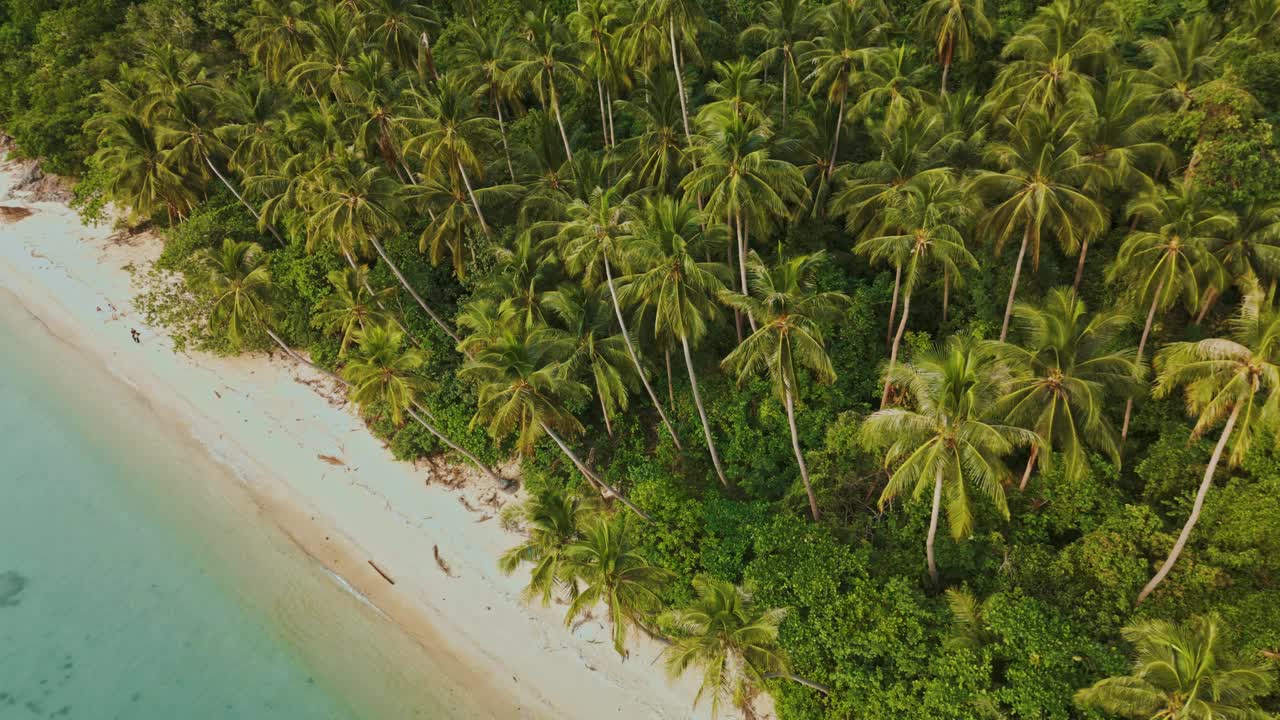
794, 281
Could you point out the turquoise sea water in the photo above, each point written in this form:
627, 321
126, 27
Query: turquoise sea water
133, 585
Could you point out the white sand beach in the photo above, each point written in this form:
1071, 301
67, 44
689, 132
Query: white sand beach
316, 471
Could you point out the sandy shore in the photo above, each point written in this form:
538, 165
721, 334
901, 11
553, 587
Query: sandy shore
324, 479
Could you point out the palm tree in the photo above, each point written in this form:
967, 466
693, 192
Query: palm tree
1044, 185
785, 29
1236, 378
924, 225
1181, 63
588, 323
788, 308
402, 28
553, 521
847, 31
452, 216
946, 444
681, 289
595, 22
952, 26
238, 279
353, 306
740, 181
356, 202
522, 388
383, 373
732, 641
890, 81
1185, 671
1050, 57
1252, 247
141, 173
591, 240
1163, 260
655, 155
681, 20
607, 567
334, 43
488, 61
1066, 367
546, 57
275, 36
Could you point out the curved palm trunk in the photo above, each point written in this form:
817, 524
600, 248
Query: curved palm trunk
1031, 463
702, 413
395, 270
946, 291
555, 108
797, 679
947, 57
591, 476
893, 352
1210, 299
1142, 345
472, 194
795, 445
893, 305
293, 354
835, 143
785, 56
675, 63
604, 410
635, 359
256, 215
608, 101
431, 62
604, 120
439, 434
1013, 285
742, 264
933, 526
1195, 507
502, 130
1084, 250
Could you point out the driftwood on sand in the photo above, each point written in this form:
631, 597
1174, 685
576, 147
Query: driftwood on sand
381, 572
440, 561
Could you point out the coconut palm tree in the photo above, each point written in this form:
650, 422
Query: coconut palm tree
1163, 260
788, 308
607, 568
595, 235
451, 210
740, 182
1185, 671
596, 24
487, 60
1233, 380
334, 43
587, 321
925, 230
952, 26
353, 305
275, 36
785, 30
655, 155
732, 642
1252, 247
402, 30
681, 289
1180, 63
1051, 57
1066, 365
238, 279
141, 173
1044, 185
545, 58
680, 20
552, 521
848, 32
946, 445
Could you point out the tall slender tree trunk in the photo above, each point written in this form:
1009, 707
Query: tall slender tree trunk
555, 107
947, 56
439, 434
785, 55
395, 270
1031, 463
635, 359
795, 445
590, 475
1084, 250
675, 63
835, 143
608, 102
1195, 508
1210, 299
893, 351
425, 38
893, 304
797, 679
730, 250
933, 525
604, 121
293, 354
472, 194
742, 263
946, 291
256, 216
502, 130
604, 410
1013, 286
1142, 345
671, 390
702, 412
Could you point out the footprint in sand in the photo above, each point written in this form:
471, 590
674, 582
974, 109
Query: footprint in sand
12, 584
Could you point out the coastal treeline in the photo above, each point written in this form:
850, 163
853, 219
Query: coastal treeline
900, 359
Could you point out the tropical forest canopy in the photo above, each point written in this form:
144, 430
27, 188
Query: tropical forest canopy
900, 359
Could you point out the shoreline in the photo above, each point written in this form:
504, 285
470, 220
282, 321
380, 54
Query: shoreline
268, 421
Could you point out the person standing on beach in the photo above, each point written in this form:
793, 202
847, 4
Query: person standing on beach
133, 333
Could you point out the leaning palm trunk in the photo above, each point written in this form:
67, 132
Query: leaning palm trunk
675, 63
1031, 463
946, 291
604, 120
472, 194
742, 263
1084, 250
933, 526
797, 679
555, 108
293, 354
635, 359
1195, 507
1142, 345
795, 445
605, 488
395, 270
439, 434
893, 352
502, 130
256, 216
835, 143
1013, 285
893, 304
702, 413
